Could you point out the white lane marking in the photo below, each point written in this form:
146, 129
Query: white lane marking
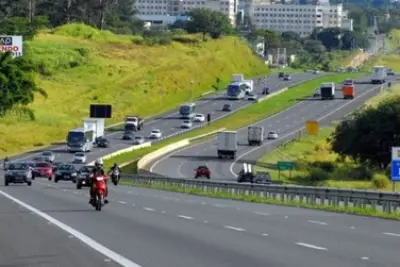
70, 236
310, 246
364, 258
317, 222
220, 205
286, 217
185, 217
392, 234
133, 205
264, 234
261, 213
234, 228
107, 260
205, 222
129, 192
122, 202
295, 131
148, 209
82, 237
352, 227
203, 203
163, 212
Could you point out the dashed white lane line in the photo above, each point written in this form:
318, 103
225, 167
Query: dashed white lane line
148, 209
310, 246
264, 234
185, 217
122, 202
261, 213
82, 237
234, 228
392, 234
220, 205
364, 258
317, 222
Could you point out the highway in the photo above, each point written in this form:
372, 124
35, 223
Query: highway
288, 123
169, 123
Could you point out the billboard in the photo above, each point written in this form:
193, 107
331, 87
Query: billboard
100, 111
13, 44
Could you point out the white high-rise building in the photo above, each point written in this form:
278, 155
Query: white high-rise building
302, 19
167, 11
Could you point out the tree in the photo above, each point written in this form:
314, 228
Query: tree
207, 21
368, 137
314, 46
17, 84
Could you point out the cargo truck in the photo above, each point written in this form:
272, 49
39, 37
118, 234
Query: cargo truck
255, 135
96, 125
227, 144
348, 89
327, 91
133, 123
379, 74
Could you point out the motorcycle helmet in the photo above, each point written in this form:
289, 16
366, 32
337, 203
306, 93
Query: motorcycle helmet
99, 163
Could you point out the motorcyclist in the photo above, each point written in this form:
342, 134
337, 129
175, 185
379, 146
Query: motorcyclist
115, 167
5, 163
97, 171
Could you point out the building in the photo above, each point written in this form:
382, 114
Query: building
302, 19
168, 11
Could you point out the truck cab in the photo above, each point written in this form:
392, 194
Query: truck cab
348, 89
133, 123
379, 75
327, 91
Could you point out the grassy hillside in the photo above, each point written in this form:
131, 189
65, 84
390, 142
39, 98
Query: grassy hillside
78, 65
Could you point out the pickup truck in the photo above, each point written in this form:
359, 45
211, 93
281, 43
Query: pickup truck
133, 123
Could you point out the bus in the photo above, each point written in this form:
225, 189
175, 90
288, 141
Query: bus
187, 111
237, 90
80, 140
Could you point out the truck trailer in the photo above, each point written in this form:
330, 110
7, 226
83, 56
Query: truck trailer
327, 91
227, 144
379, 75
348, 89
255, 135
96, 125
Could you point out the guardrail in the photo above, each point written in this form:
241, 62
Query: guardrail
388, 202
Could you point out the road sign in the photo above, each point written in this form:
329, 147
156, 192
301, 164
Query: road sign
312, 127
13, 44
285, 165
395, 164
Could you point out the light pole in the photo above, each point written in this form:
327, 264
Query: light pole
191, 90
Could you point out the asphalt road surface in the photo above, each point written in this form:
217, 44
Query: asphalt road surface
154, 228
182, 163
169, 123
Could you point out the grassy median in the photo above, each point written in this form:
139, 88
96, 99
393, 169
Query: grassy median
264, 200
78, 65
242, 117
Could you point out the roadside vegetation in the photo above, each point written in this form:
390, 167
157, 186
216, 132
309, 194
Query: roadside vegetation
75, 71
240, 118
318, 164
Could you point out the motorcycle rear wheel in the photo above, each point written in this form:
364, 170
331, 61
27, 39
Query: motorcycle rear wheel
98, 202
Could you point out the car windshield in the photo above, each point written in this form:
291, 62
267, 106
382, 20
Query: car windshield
43, 165
186, 121
86, 169
202, 167
17, 166
139, 137
66, 167
47, 153
227, 106
155, 131
79, 155
272, 132
199, 115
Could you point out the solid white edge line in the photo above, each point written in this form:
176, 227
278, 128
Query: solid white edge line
310, 246
295, 131
82, 237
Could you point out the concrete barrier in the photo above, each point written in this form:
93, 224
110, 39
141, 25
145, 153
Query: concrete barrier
122, 151
271, 95
147, 159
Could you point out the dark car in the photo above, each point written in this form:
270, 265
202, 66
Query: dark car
128, 136
83, 176
258, 178
18, 173
281, 74
202, 171
102, 142
65, 172
287, 77
56, 164
227, 107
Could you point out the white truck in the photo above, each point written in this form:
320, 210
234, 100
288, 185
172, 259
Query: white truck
255, 135
227, 144
133, 123
96, 125
379, 74
240, 78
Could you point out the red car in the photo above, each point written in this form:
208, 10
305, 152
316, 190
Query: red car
44, 169
202, 171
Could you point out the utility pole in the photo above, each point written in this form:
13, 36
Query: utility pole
191, 89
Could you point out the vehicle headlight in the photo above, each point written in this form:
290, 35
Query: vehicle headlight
73, 174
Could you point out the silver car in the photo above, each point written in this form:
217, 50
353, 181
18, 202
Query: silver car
139, 140
48, 156
18, 173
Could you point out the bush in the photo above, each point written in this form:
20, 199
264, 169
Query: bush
380, 181
186, 39
323, 165
361, 173
318, 175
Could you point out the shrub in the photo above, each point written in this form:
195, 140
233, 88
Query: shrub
186, 39
361, 173
318, 175
380, 181
324, 165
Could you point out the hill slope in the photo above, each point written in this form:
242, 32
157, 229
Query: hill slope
80, 66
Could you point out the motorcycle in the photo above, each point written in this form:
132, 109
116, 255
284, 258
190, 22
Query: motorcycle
115, 177
100, 190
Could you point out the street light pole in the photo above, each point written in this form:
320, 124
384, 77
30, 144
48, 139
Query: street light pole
191, 90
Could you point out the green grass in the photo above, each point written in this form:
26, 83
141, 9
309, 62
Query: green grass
258, 199
317, 165
242, 117
78, 65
